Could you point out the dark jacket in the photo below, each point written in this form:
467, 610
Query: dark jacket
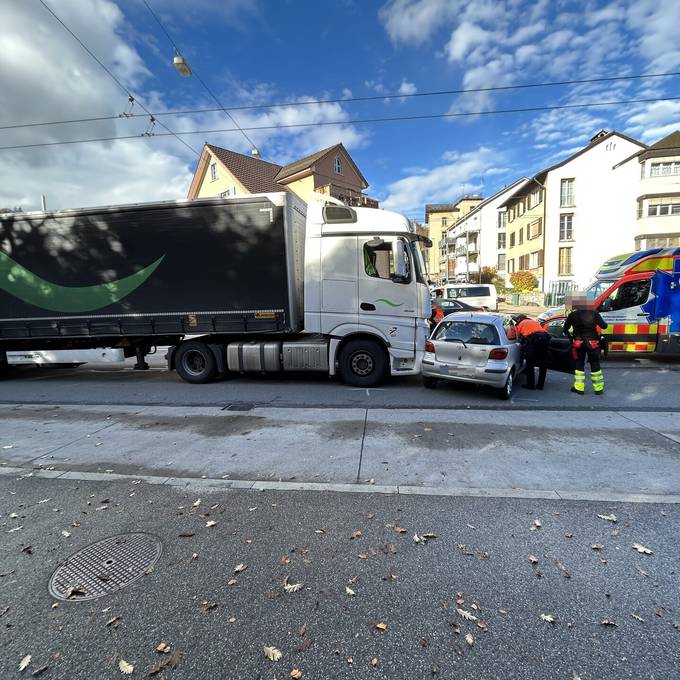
584, 324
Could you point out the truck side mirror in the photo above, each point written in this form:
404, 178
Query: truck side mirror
399, 259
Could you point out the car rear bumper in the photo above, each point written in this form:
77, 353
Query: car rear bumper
493, 373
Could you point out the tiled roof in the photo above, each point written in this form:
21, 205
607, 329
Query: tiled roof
672, 141
256, 175
304, 163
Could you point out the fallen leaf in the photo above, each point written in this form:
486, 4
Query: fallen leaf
231, 619
533, 559
239, 568
362, 556
302, 630
381, 626
536, 525
186, 534
356, 534
548, 618
13, 515
169, 661
466, 615
125, 667
565, 572
72, 591
110, 622
319, 531
608, 622
208, 606
232, 581
210, 523
482, 625
637, 618
642, 571
349, 591
374, 661
400, 530
163, 648
196, 503
609, 518
25, 662
597, 546
40, 671
65, 534
503, 611
575, 676
641, 549
284, 560
271, 653
292, 587
469, 639
296, 674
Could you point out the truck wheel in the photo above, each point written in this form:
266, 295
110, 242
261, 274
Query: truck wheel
363, 363
195, 362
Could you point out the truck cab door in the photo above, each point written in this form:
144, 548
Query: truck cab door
387, 298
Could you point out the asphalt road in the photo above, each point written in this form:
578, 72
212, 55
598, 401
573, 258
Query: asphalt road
634, 386
615, 611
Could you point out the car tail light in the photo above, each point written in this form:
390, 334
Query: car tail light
429, 346
497, 354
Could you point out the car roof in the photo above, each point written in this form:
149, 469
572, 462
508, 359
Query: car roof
466, 285
475, 317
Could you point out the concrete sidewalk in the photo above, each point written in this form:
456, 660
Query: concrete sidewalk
550, 454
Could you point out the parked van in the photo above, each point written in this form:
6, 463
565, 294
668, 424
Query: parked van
475, 294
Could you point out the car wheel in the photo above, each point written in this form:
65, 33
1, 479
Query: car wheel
195, 362
430, 383
363, 363
506, 391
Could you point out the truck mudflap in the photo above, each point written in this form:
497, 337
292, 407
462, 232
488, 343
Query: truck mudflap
668, 344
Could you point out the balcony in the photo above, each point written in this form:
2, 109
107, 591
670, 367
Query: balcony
353, 198
472, 248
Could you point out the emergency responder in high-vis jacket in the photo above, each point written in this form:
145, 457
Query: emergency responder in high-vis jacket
585, 325
535, 341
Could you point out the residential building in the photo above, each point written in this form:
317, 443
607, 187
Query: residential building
658, 200
477, 239
570, 216
331, 171
438, 218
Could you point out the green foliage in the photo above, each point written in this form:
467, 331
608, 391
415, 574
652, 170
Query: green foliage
523, 282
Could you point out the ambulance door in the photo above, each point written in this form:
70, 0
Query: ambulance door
628, 309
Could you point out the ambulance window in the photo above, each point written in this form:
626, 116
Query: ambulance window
630, 294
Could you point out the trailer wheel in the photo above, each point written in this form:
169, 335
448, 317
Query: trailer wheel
363, 363
195, 362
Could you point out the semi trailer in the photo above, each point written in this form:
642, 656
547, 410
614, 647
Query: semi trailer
263, 283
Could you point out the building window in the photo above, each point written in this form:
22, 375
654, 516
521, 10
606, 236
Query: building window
566, 228
511, 214
534, 198
502, 219
521, 236
656, 209
213, 172
523, 262
520, 208
511, 266
224, 194
445, 221
665, 169
564, 266
535, 229
338, 165
536, 259
500, 245
512, 239
567, 193
500, 265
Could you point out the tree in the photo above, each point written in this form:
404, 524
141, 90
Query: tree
523, 281
487, 275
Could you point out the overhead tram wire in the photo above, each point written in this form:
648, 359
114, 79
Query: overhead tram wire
358, 121
120, 84
200, 80
308, 102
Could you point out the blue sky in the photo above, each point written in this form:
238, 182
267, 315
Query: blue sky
264, 51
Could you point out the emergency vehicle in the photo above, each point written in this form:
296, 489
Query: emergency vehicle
638, 295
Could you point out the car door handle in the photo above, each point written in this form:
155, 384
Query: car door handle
367, 307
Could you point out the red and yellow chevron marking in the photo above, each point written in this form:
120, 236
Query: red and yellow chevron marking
632, 346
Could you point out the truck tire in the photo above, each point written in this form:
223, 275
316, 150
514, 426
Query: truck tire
195, 362
363, 363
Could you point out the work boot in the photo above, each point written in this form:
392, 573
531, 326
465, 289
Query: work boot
579, 382
598, 381
575, 391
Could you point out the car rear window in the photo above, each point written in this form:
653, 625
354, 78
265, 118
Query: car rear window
470, 291
470, 332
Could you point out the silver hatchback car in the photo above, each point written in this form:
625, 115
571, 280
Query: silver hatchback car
473, 348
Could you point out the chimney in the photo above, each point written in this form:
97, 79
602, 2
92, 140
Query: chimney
599, 135
255, 152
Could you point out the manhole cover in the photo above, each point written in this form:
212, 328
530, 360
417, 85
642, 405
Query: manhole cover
105, 566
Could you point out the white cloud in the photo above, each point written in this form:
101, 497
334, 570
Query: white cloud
47, 76
407, 88
466, 38
460, 173
413, 21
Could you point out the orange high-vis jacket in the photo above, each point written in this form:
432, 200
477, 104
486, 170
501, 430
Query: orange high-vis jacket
528, 327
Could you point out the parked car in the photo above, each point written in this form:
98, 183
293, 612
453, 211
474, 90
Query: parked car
473, 348
441, 308
475, 294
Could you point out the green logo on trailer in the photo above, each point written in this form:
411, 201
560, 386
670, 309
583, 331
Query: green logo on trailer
26, 286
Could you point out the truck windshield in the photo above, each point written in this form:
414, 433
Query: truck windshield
597, 288
418, 264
